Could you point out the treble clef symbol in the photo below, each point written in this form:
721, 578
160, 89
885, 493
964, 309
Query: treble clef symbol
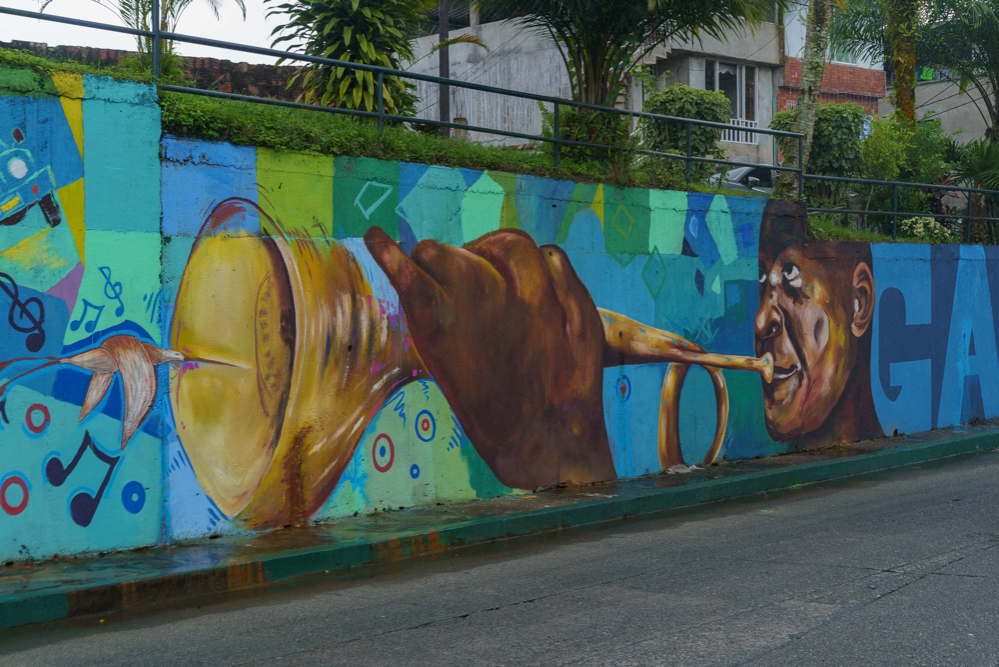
21, 312
112, 290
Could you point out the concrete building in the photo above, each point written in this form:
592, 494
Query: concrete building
759, 71
943, 99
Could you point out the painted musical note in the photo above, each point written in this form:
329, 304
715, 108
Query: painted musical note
83, 506
21, 317
112, 290
91, 325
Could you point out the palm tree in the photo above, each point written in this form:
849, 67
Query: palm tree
138, 14
959, 36
813, 67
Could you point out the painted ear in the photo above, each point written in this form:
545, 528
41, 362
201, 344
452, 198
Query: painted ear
863, 299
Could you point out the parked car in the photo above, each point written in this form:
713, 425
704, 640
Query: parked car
756, 179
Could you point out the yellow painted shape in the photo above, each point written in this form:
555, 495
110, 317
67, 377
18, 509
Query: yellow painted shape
297, 190
72, 199
233, 307
35, 253
70, 87
11, 204
598, 205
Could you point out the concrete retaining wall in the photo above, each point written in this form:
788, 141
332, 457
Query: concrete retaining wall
204, 338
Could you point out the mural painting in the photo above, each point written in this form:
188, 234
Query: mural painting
204, 338
816, 308
79, 248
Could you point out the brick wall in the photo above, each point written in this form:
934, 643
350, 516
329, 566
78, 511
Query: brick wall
840, 83
210, 73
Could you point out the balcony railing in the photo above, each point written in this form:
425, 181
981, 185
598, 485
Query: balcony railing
739, 132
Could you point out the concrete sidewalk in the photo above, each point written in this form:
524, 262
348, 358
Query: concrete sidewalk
39, 592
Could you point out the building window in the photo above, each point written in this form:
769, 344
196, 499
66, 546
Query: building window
737, 82
771, 13
842, 55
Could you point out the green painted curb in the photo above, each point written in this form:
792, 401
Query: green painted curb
54, 604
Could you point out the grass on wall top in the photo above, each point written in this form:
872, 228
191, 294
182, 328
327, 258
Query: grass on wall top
250, 124
24, 60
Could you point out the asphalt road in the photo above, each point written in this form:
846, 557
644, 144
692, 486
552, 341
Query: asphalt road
899, 568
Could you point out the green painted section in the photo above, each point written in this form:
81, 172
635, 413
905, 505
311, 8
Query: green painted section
413, 453
121, 275
365, 194
481, 208
18, 82
668, 209
297, 190
626, 220
719, 221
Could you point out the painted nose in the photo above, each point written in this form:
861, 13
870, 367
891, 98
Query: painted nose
768, 320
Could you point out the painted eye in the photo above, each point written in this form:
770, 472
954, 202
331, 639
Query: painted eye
17, 168
763, 278
792, 275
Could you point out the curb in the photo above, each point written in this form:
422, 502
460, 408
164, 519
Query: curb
66, 602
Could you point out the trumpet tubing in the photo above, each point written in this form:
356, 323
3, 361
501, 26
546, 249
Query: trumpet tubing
630, 342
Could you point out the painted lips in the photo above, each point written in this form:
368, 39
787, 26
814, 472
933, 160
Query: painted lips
783, 372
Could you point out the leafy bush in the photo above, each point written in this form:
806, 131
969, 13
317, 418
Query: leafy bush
593, 127
374, 32
671, 137
836, 149
978, 166
927, 229
894, 152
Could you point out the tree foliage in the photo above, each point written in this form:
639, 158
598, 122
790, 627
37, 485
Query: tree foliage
979, 164
959, 36
138, 14
671, 137
373, 32
836, 147
813, 67
963, 36
593, 127
602, 41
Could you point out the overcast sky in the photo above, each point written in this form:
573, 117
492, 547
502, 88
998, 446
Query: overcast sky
197, 20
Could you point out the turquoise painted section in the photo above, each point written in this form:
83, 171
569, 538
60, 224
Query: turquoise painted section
121, 147
80, 266
250, 345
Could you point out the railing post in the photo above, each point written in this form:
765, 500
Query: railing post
156, 38
894, 212
381, 103
558, 138
801, 168
967, 222
689, 164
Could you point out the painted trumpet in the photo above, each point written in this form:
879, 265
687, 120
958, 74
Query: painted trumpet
281, 353
630, 342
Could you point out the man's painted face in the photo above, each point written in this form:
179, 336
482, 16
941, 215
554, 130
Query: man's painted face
804, 320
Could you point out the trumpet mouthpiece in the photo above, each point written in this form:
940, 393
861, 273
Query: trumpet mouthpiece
766, 367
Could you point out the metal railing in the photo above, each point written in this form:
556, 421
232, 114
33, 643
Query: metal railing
895, 214
739, 132
157, 36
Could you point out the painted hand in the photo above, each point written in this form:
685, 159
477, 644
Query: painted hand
515, 342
